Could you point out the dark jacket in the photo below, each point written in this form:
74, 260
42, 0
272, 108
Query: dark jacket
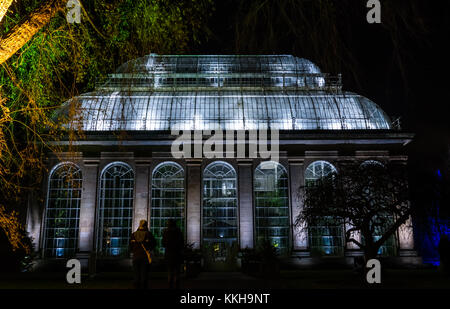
173, 242
139, 238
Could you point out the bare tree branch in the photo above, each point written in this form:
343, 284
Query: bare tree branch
373, 199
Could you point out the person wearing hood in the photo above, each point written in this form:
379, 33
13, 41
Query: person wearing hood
141, 241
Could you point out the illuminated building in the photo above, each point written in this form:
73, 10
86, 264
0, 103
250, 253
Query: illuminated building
124, 171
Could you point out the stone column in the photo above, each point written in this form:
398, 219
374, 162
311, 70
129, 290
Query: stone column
245, 174
142, 187
406, 239
88, 205
193, 213
296, 181
35, 219
86, 254
350, 246
405, 231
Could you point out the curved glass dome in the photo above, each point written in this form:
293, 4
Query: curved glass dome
223, 92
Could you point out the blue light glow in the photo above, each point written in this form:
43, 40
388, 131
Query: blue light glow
430, 241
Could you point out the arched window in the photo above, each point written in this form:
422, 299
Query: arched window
167, 198
272, 205
389, 247
317, 170
116, 209
219, 206
372, 163
327, 237
62, 214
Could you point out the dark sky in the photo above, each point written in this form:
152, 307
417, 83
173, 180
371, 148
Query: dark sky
402, 65
412, 89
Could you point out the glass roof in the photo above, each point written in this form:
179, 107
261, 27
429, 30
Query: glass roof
224, 92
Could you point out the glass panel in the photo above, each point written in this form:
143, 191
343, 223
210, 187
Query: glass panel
159, 109
389, 247
279, 112
168, 199
231, 111
207, 112
326, 237
186, 92
219, 206
116, 210
183, 115
272, 205
62, 213
304, 112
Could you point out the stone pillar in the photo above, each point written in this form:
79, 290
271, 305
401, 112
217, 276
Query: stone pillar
86, 254
193, 213
406, 239
246, 227
35, 219
355, 235
405, 231
296, 181
142, 187
88, 206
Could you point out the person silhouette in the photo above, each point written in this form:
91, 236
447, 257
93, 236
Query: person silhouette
173, 243
141, 241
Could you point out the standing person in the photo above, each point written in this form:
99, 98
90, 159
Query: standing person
173, 243
141, 239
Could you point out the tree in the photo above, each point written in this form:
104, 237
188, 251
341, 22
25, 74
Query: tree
21, 33
45, 61
4, 6
370, 199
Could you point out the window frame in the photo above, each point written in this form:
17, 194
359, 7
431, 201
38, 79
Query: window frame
220, 250
76, 227
152, 207
100, 218
287, 226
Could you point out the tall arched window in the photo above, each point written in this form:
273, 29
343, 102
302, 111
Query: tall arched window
116, 209
272, 205
389, 247
327, 237
219, 206
62, 214
167, 198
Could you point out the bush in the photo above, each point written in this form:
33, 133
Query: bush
18, 260
192, 258
218, 258
250, 261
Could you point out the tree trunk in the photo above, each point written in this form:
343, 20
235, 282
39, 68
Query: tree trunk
20, 34
4, 6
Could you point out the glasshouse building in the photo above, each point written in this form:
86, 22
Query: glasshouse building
124, 168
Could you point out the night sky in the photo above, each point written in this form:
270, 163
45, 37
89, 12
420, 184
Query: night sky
414, 94
401, 64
